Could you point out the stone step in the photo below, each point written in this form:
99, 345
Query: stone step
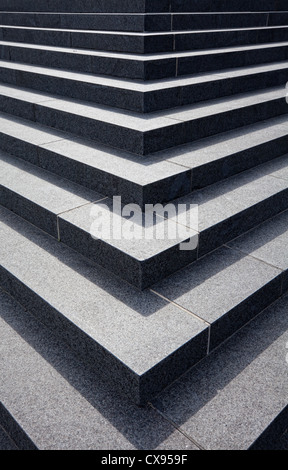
143, 43
143, 134
148, 96
237, 398
93, 166
88, 308
63, 403
142, 6
38, 421
131, 244
157, 179
144, 22
45, 200
139, 66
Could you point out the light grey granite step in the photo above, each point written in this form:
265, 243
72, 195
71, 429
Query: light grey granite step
176, 418
237, 399
218, 157
54, 401
143, 134
88, 307
267, 242
189, 287
144, 96
111, 172
140, 66
139, 251
69, 213
157, 179
237, 203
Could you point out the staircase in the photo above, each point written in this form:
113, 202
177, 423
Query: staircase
131, 105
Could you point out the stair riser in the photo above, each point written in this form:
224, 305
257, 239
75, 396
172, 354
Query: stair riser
15, 431
226, 20
136, 141
148, 69
227, 5
188, 65
269, 439
137, 100
101, 94
100, 22
91, 40
143, 44
87, 6
190, 41
142, 6
141, 23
